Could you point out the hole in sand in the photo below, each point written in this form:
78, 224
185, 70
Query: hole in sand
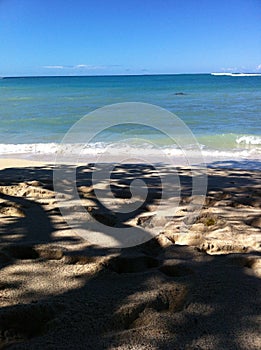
30, 252
176, 270
132, 264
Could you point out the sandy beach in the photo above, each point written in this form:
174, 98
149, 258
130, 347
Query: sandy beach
130, 168
195, 291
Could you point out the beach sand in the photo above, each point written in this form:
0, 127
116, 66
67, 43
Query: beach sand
200, 290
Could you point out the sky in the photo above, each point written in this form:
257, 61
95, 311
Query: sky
100, 37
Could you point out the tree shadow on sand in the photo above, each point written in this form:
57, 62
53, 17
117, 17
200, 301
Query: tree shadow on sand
59, 292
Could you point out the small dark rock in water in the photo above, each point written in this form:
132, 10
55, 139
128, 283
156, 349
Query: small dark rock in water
179, 93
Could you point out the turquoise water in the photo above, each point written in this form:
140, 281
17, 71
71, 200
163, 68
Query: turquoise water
223, 112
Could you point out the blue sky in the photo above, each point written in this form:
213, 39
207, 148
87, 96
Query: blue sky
93, 37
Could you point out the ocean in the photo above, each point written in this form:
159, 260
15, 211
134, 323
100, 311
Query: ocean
222, 111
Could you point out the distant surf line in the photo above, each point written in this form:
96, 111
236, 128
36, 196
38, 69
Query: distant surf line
238, 74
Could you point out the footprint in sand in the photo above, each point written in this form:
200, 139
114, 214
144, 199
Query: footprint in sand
249, 261
132, 264
22, 322
142, 263
22, 251
149, 304
167, 298
172, 268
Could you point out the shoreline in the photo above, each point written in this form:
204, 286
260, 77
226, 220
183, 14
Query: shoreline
18, 162
177, 161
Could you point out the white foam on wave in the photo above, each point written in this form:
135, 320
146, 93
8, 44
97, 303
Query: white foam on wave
93, 149
30, 148
100, 152
249, 140
238, 74
243, 141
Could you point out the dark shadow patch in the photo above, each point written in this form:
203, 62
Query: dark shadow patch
132, 264
244, 261
23, 322
21, 251
173, 269
4, 258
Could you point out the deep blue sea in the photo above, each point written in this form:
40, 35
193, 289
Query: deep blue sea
223, 112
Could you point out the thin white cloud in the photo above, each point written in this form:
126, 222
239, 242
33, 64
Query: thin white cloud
78, 66
89, 67
54, 67
258, 67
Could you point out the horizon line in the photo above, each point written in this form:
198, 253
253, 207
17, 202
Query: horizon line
126, 75
97, 75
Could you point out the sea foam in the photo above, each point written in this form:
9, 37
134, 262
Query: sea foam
249, 140
128, 150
